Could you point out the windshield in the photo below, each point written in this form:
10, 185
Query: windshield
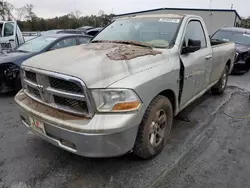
237, 37
36, 45
158, 32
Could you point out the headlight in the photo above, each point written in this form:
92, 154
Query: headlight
236, 56
116, 100
11, 71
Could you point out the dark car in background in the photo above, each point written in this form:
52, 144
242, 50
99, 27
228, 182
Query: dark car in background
241, 38
10, 62
94, 31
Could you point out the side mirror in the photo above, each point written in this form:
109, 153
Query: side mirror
193, 46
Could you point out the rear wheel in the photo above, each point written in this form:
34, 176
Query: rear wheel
155, 128
220, 87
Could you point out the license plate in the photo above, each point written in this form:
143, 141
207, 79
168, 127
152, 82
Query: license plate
37, 125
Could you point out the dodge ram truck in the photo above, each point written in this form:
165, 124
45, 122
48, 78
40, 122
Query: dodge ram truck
120, 92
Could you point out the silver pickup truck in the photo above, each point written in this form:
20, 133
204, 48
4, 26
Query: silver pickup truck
120, 92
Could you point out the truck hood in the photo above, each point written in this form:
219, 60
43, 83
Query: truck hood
99, 64
15, 57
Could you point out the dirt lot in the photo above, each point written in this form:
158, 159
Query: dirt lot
209, 148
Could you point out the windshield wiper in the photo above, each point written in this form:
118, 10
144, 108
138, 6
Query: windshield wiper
21, 51
136, 43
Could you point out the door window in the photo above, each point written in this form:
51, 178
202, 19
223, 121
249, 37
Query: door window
195, 31
64, 43
8, 30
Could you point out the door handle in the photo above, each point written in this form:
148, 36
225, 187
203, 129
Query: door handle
208, 57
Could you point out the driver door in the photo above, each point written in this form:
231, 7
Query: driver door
195, 63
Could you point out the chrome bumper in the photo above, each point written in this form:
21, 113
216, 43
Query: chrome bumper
94, 142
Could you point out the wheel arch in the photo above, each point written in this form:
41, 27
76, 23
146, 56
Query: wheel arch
229, 64
172, 97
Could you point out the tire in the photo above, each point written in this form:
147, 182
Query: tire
152, 127
220, 87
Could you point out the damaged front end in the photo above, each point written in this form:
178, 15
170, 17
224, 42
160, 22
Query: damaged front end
242, 61
9, 77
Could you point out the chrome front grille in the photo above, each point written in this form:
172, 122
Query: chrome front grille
33, 91
31, 76
58, 91
64, 85
77, 105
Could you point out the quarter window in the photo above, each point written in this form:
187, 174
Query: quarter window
195, 32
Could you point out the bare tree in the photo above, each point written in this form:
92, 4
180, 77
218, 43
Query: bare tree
76, 14
30, 15
101, 12
5, 10
21, 13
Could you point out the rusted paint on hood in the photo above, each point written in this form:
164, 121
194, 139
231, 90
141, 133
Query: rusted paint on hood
124, 50
101, 46
130, 52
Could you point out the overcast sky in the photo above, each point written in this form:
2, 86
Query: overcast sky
52, 8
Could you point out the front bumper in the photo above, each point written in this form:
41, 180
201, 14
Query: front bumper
102, 136
240, 66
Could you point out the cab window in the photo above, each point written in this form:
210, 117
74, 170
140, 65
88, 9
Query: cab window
195, 31
8, 30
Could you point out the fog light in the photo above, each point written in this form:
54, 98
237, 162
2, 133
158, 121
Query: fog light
68, 144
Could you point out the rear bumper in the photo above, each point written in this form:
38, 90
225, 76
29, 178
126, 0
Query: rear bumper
88, 143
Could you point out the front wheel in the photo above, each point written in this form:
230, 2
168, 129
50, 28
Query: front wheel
220, 87
154, 130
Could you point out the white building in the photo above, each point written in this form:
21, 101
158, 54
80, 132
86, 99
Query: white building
214, 18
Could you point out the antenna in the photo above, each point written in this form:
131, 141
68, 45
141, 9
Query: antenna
210, 5
210, 14
232, 6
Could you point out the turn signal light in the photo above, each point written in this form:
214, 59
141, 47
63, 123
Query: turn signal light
127, 106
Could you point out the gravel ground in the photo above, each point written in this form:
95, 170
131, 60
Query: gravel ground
208, 148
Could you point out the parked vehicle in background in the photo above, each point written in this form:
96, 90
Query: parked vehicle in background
28, 35
120, 92
10, 62
85, 28
95, 31
10, 35
69, 31
241, 37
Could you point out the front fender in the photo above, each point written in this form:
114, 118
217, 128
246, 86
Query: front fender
151, 82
